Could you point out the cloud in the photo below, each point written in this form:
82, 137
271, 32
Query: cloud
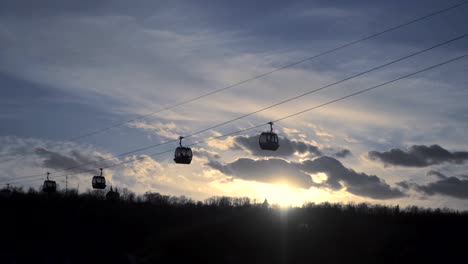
222, 144
73, 159
436, 173
445, 185
343, 153
137, 172
11, 146
404, 184
298, 174
450, 186
30, 157
50, 155
356, 183
167, 130
419, 156
287, 147
204, 153
269, 171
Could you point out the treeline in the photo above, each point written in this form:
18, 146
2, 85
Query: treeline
72, 227
154, 198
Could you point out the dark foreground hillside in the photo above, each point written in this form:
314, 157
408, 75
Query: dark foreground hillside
38, 228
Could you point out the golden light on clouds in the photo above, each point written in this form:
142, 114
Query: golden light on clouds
319, 177
224, 144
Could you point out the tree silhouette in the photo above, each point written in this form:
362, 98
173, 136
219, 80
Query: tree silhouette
88, 228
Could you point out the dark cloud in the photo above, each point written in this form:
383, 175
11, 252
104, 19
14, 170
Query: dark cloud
440, 175
297, 174
356, 183
419, 156
436, 173
343, 153
404, 184
450, 186
269, 171
445, 185
287, 147
72, 159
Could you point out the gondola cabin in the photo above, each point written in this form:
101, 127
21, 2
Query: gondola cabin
183, 155
49, 186
269, 140
99, 182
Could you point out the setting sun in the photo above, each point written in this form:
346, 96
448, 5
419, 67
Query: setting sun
279, 193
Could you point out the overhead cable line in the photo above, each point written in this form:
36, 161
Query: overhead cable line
259, 110
73, 139
277, 120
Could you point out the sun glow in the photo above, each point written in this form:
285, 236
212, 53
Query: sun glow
281, 194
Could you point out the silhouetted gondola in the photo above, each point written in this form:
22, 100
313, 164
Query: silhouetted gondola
269, 140
99, 182
182, 155
113, 195
49, 186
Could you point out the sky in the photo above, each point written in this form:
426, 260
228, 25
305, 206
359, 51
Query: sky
69, 68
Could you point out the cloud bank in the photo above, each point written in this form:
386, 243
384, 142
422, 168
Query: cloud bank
419, 156
299, 174
451, 186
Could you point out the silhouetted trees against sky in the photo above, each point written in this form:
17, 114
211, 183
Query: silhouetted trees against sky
156, 228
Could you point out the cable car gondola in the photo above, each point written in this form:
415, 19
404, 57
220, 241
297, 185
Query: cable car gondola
182, 155
99, 182
49, 186
269, 140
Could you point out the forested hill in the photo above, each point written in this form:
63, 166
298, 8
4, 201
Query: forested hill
87, 228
